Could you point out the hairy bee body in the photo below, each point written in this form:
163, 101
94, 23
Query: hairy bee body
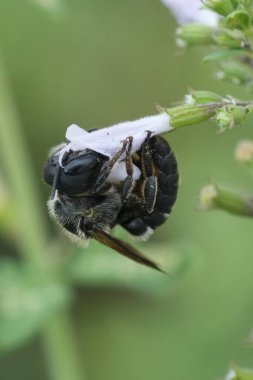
139, 206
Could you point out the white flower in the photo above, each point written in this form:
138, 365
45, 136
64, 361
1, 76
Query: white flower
231, 375
108, 141
187, 11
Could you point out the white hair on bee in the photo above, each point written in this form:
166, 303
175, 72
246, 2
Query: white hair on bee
190, 11
144, 237
108, 141
55, 149
81, 239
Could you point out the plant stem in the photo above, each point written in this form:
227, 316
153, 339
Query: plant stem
31, 227
61, 350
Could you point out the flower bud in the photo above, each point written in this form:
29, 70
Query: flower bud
194, 34
206, 197
187, 114
202, 97
231, 115
224, 119
215, 196
244, 152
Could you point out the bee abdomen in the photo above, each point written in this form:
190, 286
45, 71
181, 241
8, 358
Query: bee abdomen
167, 175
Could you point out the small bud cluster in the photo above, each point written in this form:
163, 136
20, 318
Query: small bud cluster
231, 36
200, 106
231, 115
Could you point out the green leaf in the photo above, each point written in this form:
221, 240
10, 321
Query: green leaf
238, 19
27, 301
230, 39
223, 7
222, 54
100, 267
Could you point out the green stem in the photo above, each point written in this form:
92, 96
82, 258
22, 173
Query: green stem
32, 232
31, 228
61, 350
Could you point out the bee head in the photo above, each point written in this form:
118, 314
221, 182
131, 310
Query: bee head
78, 173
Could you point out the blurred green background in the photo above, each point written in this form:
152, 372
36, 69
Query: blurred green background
95, 63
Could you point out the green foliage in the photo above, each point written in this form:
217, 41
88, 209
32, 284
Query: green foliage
239, 19
27, 302
221, 54
102, 268
222, 7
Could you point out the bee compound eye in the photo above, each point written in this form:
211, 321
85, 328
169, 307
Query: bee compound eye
81, 164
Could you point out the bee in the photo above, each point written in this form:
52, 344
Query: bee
92, 192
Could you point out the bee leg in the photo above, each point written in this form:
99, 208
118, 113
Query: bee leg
149, 185
129, 182
100, 182
150, 192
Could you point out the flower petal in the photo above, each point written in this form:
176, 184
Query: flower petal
187, 11
108, 140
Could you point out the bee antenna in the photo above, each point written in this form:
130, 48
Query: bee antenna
54, 188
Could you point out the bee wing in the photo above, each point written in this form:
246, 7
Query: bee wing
124, 249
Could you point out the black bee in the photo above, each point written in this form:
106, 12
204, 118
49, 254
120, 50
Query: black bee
88, 203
